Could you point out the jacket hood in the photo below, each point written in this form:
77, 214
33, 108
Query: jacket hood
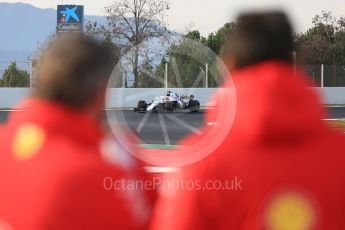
273, 104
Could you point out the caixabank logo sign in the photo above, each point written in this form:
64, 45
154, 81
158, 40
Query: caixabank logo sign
70, 18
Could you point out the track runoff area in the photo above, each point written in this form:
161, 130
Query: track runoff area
167, 129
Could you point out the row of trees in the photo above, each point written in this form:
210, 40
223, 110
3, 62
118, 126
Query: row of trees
13, 76
131, 24
134, 27
187, 59
324, 43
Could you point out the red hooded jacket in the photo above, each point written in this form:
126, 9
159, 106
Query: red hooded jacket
53, 174
279, 167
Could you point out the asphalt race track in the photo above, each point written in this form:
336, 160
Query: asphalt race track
336, 112
167, 128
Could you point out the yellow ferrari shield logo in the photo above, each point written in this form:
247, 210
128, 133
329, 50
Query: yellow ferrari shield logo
290, 211
28, 140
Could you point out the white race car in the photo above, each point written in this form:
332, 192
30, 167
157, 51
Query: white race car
170, 102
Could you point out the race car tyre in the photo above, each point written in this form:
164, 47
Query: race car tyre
174, 105
194, 106
142, 106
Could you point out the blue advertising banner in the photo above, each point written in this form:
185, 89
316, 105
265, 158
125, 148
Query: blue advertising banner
70, 18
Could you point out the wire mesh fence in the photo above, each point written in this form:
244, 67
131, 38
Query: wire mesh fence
23, 74
334, 76
326, 75
314, 72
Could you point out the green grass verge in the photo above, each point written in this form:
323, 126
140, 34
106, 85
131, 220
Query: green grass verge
339, 124
145, 146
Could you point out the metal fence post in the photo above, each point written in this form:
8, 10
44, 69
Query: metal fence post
206, 75
31, 69
322, 76
166, 75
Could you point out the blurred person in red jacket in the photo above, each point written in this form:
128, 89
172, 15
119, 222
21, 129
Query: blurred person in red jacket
54, 172
280, 166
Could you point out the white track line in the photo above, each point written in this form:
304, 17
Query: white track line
161, 169
164, 129
142, 122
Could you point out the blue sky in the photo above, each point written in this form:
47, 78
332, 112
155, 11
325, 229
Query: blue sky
209, 15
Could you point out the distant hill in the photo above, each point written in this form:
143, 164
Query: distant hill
24, 26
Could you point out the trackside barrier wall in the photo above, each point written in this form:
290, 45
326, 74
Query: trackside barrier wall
10, 97
127, 98
332, 95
